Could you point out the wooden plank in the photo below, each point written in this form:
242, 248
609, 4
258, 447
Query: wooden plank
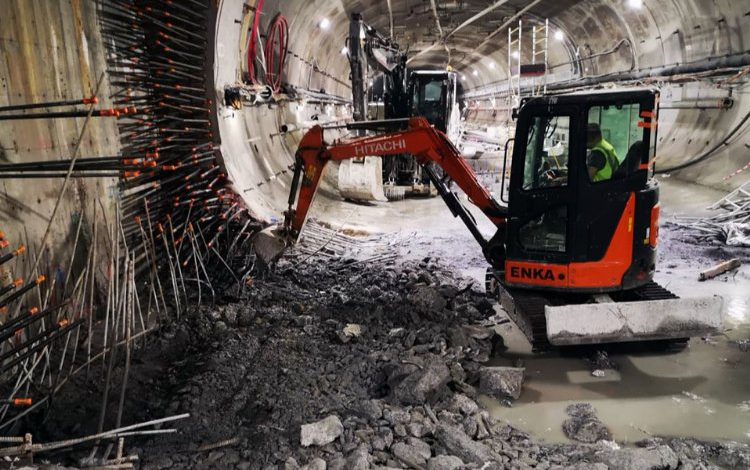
720, 268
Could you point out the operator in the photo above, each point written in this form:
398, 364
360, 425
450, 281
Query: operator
602, 160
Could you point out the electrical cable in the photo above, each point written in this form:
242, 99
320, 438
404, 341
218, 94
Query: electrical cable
253, 43
708, 153
278, 34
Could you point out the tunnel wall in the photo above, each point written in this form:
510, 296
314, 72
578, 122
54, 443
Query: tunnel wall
667, 32
257, 154
52, 50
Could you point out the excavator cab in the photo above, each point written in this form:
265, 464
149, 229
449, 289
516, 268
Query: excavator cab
432, 95
583, 225
569, 227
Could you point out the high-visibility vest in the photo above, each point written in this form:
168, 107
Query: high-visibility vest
611, 162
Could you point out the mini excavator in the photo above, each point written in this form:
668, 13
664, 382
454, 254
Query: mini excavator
573, 257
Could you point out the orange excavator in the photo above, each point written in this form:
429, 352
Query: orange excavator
573, 256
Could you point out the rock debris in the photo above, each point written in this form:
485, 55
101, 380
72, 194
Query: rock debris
268, 368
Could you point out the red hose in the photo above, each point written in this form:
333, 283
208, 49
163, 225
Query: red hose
253, 43
276, 49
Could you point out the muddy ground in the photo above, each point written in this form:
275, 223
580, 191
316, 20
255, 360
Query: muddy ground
387, 360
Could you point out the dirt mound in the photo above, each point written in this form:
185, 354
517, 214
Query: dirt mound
379, 361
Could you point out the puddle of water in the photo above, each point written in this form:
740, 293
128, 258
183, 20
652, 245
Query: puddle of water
703, 392
738, 309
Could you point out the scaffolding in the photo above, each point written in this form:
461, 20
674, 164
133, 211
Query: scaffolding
537, 69
539, 55
514, 66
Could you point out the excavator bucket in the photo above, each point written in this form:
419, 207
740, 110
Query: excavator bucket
362, 180
269, 244
619, 322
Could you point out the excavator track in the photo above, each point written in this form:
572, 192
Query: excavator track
526, 308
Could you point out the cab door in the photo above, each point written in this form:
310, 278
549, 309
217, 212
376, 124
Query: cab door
542, 196
613, 219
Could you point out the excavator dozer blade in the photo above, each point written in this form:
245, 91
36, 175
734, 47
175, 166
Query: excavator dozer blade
618, 322
269, 244
362, 181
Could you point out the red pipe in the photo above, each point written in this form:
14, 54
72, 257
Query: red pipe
253, 43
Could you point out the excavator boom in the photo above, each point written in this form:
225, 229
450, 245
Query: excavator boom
424, 142
427, 145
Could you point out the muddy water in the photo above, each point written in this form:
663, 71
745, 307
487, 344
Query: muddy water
703, 391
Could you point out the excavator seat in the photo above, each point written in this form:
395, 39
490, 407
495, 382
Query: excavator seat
631, 162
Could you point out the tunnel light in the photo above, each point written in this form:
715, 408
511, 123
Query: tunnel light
492, 65
515, 54
559, 35
635, 4
475, 73
463, 77
344, 50
325, 23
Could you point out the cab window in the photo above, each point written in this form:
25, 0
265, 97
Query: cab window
614, 142
547, 153
428, 97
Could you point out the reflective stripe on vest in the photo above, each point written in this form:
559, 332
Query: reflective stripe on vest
611, 161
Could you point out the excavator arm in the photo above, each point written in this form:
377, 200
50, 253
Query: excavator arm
425, 143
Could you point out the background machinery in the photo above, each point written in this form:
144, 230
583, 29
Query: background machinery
572, 259
391, 91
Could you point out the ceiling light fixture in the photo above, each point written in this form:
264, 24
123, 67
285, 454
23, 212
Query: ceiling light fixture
475, 72
635, 4
515, 54
492, 65
325, 23
559, 35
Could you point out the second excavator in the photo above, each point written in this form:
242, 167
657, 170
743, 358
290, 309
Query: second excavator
574, 253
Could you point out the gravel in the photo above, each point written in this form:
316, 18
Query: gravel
278, 379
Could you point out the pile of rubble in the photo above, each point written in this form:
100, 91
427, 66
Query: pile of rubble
332, 364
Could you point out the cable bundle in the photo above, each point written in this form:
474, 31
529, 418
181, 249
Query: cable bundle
276, 51
252, 44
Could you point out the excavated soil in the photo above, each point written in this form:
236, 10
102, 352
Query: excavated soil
389, 353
